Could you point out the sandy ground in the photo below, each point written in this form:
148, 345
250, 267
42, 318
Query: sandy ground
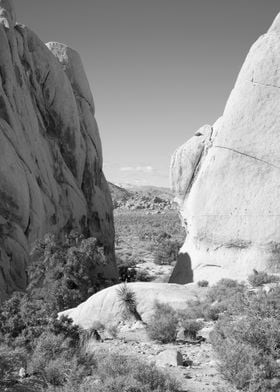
201, 376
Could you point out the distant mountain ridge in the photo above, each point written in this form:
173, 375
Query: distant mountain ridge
136, 197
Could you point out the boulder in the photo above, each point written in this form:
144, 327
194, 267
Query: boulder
170, 357
226, 178
106, 306
51, 177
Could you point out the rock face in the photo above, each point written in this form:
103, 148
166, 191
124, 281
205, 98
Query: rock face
227, 177
182, 272
51, 177
106, 307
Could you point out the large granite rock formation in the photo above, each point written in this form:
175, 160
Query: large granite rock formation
106, 306
51, 177
227, 177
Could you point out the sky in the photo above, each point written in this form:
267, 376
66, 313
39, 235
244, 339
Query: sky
158, 69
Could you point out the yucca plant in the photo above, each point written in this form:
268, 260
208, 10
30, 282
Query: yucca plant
128, 302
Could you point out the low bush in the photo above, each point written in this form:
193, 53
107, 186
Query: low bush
247, 341
115, 372
204, 309
163, 323
218, 299
259, 278
191, 327
145, 376
144, 276
203, 283
225, 290
11, 360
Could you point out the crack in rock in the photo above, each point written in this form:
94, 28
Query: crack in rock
262, 84
195, 171
249, 156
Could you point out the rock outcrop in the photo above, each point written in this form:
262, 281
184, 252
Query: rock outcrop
152, 200
51, 177
106, 306
227, 177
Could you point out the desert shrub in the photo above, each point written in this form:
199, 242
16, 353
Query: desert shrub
203, 309
126, 262
115, 372
225, 289
213, 312
191, 327
120, 383
195, 310
128, 302
203, 283
11, 360
247, 341
166, 252
219, 298
142, 376
64, 272
55, 372
153, 378
163, 323
144, 276
23, 320
237, 362
11, 323
259, 278
50, 347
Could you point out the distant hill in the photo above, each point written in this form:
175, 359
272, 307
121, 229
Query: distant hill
149, 189
118, 193
133, 197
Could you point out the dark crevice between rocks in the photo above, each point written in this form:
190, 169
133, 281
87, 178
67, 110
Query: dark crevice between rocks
182, 272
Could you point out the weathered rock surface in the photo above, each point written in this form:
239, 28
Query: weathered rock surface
170, 357
51, 177
106, 307
226, 178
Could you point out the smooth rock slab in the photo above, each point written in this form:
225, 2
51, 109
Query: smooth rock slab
105, 306
171, 357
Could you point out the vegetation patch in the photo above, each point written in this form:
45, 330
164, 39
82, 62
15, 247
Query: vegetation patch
138, 235
247, 341
258, 279
128, 302
163, 324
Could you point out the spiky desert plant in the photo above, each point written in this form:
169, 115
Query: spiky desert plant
127, 300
